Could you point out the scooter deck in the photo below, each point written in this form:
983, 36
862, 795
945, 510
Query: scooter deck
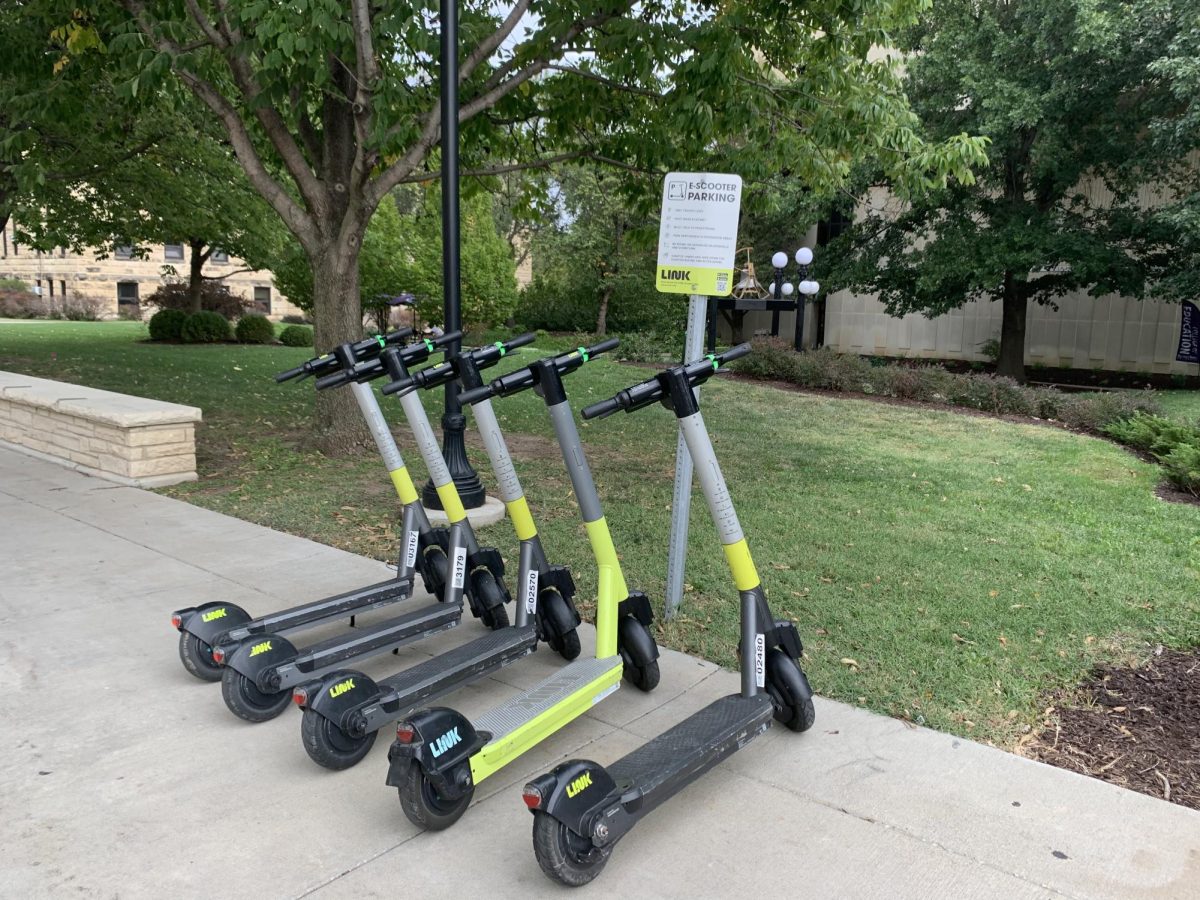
335, 607
407, 690
663, 766
506, 718
384, 636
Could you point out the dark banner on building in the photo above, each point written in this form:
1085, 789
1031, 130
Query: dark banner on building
1189, 334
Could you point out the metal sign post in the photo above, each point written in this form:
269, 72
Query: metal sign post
681, 502
697, 234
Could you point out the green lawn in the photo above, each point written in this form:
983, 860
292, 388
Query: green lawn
951, 569
1181, 404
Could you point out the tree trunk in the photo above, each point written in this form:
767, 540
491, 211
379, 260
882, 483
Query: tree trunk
337, 315
602, 316
1012, 330
196, 275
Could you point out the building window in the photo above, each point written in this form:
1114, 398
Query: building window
4, 236
220, 257
262, 300
173, 252
38, 290
127, 295
125, 252
62, 252
62, 286
50, 281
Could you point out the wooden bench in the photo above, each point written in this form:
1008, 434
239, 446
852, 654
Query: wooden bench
125, 439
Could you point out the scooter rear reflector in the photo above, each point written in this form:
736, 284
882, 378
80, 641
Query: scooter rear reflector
532, 796
405, 733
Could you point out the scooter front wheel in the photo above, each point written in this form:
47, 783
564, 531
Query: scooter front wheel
490, 597
790, 693
425, 806
246, 701
197, 657
565, 856
327, 745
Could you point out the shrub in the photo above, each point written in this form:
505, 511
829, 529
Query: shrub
19, 304
13, 284
167, 324
293, 319
646, 347
205, 327
1174, 444
823, 368
296, 336
214, 297
75, 308
1094, 410
255, 329
1183, 467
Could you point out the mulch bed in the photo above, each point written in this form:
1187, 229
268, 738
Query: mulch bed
1135, 727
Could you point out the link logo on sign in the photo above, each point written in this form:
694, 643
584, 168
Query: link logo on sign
697, 235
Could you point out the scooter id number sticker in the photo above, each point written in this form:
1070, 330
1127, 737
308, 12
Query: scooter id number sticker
460, 567
760, 661
410, 550
531, 592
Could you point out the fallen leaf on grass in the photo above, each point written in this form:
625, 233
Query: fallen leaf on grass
959, 639
847, 661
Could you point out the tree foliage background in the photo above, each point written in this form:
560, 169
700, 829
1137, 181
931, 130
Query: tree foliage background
1070, 94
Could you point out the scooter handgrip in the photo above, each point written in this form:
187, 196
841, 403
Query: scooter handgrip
337, 379
733, 353
601, 409
297, 372
448, 338
521, 340
603, 347
474, 395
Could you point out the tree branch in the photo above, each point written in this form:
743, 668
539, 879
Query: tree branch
298, 221
489, 44
608, 82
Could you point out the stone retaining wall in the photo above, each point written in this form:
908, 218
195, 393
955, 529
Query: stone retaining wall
129, 440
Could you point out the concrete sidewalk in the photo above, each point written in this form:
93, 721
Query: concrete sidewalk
123, 776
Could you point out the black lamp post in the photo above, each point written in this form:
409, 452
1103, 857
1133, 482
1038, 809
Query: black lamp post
781, 288
454, 423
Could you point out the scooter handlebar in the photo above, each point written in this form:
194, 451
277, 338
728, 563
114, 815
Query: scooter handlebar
443, 372
371, 368
364, 349
515, 382
646, 392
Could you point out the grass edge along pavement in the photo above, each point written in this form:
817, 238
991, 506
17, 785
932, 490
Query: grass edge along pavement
947, 569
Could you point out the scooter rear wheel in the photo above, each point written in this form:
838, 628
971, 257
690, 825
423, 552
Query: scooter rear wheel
196, 656
246, 701
563, 855
424, 806
327, 745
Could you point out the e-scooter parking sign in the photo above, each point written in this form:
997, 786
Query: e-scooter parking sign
697, 234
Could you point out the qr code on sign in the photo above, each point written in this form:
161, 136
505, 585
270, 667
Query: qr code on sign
722, 282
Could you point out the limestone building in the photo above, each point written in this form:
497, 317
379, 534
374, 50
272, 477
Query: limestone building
116, 286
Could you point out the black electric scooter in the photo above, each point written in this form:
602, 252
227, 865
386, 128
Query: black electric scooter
581, 809
201, 628
261, 672
340, 724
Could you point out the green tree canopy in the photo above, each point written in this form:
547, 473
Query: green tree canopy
331, 105
1066, 94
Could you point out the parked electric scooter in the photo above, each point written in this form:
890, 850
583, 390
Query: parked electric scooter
260, 672
581, 809
203, 627
439, 755
340, 723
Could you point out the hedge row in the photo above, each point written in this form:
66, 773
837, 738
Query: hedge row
1174, 444
825, 369
1126, 416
